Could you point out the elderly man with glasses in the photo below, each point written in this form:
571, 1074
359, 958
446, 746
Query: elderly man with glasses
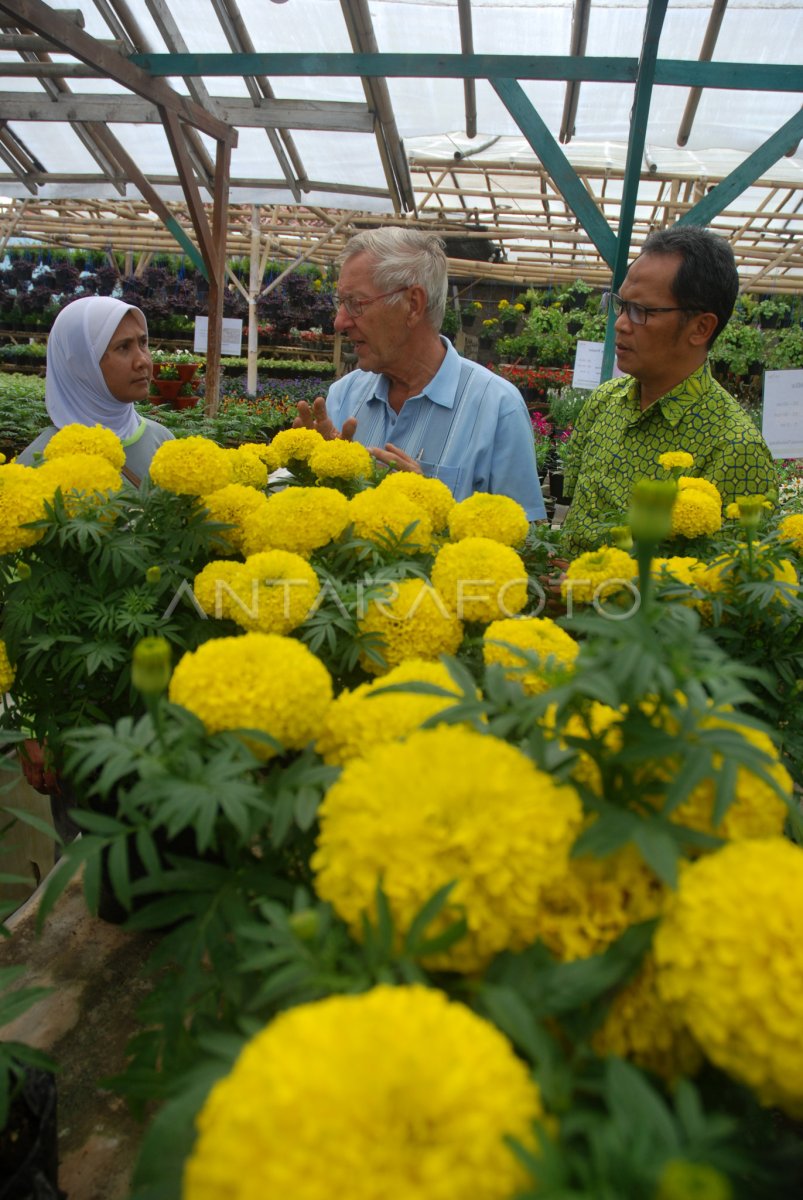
414, 402
676, 298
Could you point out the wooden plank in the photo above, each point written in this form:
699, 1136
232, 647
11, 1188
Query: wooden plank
42, 19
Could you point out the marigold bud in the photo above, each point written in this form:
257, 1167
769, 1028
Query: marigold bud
23, 571
621, 537
153, 574
750, 511
682, 1180
305, 924
650, 516
150, 666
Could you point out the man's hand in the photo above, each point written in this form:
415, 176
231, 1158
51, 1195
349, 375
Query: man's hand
316, 417
395, 458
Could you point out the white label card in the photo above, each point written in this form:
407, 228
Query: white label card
782, 414
232, 340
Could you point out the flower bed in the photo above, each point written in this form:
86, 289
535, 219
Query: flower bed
513, 886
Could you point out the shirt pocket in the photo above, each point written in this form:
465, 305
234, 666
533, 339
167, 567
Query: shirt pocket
448, 475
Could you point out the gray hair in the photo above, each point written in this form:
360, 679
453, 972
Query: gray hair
403, 258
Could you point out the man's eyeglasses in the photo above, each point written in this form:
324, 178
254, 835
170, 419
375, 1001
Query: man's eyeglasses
636, 313
355, 307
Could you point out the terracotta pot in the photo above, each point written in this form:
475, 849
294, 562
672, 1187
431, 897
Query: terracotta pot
186, 371
184, 401
167, 389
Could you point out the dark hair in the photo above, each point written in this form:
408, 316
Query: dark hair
706, 280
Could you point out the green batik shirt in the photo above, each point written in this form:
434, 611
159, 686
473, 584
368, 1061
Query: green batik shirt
614, 443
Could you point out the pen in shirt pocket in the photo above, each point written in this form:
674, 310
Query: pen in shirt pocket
420, 455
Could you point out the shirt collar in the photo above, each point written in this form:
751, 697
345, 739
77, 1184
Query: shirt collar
674, 404
442, 387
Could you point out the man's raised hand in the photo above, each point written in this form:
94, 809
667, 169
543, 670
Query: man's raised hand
316, 417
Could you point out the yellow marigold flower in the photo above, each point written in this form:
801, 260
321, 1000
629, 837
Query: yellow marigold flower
483, 515
247, 467
686, 570
730, 962
85, 439
361, 719
725, 573
191, 466
639, 1027
430, 494
265, 453
597, 575
757, 811
276, 590
397, 1092
695, 513
792, 528
436, 818
594, 900
339, 459
676, 458
378, 514
298, 519
598, 721
555, 649
297, 445
7, 671
235, 504
82, 478
255, 681
480, 579
218, 589
698, 484
22, 494
732, 512
683, 1180
683, 568
413, 622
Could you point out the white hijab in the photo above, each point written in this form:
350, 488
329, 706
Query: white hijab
75, 390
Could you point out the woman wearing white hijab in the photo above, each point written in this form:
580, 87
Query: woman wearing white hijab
98, 365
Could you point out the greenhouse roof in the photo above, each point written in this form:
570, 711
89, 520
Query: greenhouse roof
549, 135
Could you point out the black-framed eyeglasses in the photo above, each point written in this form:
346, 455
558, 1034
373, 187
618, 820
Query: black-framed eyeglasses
636, 313
356, 307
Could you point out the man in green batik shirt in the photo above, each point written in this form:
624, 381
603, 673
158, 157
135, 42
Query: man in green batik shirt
677, 296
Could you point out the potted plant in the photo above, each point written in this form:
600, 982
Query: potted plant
489, 332
509, 315
470, 313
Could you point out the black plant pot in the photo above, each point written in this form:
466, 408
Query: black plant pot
556, 486
29, 1157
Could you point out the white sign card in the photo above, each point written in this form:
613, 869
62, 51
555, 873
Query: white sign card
232, 341
782, 415
588, 365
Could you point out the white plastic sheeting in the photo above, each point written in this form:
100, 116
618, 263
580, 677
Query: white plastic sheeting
430, 112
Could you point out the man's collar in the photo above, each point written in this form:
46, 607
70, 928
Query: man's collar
442, 387
674, 403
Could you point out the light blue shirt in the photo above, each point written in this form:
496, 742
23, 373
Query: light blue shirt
468, 427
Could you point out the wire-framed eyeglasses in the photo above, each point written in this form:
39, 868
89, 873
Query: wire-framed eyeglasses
356, 307
636, 313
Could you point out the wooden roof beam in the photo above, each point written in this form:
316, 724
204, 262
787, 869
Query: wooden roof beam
467, 46
577, 48
42, 19
706, 54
